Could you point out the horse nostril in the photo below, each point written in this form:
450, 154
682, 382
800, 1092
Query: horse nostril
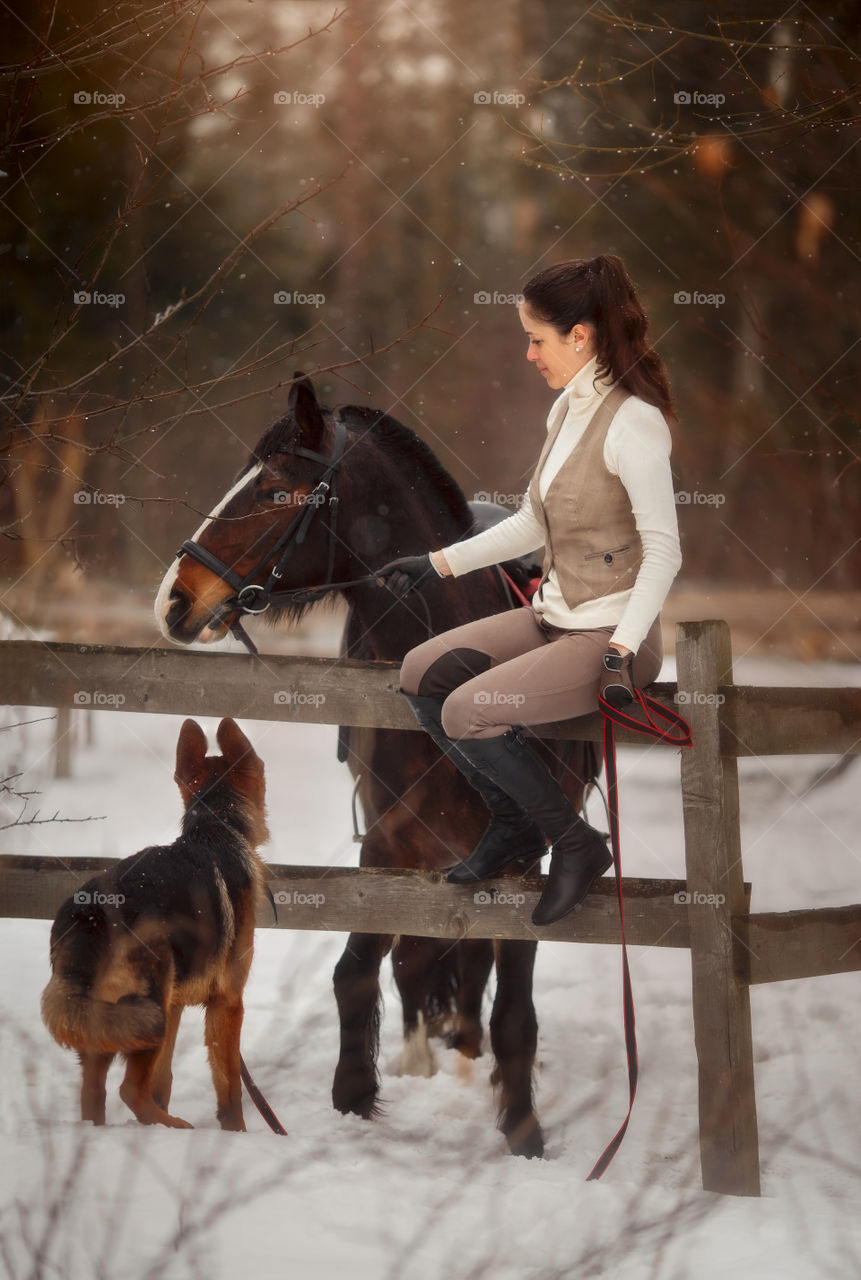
179, 607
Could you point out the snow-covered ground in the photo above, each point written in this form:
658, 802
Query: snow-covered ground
429, 1190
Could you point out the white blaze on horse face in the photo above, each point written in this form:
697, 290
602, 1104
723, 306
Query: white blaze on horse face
162, 600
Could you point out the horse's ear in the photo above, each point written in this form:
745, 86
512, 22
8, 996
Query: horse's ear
302, 406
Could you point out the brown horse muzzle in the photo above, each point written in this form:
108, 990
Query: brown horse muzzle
188, 607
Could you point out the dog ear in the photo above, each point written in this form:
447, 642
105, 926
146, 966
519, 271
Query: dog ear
235, 747
190, 754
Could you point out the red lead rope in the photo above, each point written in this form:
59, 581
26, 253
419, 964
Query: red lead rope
652, 711
259, 1101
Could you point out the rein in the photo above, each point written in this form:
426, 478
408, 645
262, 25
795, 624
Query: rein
653, 711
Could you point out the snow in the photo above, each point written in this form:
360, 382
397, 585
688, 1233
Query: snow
429, 1189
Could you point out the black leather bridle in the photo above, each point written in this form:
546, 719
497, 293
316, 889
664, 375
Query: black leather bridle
258, 590
251, 596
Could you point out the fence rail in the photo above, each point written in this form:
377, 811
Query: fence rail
752, 719
781, 945
731, 948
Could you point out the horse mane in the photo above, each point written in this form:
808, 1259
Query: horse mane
386, 430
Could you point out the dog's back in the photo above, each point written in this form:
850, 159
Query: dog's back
172, 925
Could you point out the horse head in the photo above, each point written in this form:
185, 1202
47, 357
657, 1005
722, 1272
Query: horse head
279, 493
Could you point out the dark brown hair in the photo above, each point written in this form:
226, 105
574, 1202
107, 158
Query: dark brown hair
600, 292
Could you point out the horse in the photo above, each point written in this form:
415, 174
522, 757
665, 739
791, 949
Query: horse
325, 497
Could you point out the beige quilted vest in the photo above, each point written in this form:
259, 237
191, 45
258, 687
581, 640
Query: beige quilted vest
592, 540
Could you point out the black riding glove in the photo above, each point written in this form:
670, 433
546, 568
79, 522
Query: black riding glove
617, 681
410, 573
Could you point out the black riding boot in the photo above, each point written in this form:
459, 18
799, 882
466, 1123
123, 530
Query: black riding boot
579, 854
510, 833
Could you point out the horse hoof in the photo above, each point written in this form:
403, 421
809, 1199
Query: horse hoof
366, 1107
355, 1095
526, 1139
469, 1046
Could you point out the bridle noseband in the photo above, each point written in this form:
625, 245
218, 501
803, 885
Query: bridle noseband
257, 591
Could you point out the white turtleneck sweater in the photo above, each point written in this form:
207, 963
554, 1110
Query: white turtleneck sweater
637, 450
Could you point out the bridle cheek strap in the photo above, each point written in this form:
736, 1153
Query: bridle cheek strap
258, 589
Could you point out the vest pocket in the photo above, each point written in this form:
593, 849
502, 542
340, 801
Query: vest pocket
607, 556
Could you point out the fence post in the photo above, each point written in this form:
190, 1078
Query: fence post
729, 1145
63, 743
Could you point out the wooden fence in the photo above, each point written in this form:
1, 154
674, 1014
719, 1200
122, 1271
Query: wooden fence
731, 948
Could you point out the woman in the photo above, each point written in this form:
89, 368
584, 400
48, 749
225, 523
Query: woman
601, 504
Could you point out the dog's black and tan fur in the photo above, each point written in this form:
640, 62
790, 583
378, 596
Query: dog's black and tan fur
169, 927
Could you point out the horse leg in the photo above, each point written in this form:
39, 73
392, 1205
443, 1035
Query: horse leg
476, 962
413, 964
357, 992
514, 1036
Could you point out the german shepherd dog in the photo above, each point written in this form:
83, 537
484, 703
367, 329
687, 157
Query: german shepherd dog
169, 927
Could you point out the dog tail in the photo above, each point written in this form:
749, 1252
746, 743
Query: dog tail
77, 1021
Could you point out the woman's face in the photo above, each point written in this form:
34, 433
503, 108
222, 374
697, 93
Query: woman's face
556, 356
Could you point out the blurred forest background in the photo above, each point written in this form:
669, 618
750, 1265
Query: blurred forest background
198, 199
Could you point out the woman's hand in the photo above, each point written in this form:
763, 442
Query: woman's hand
409, 573
617, 681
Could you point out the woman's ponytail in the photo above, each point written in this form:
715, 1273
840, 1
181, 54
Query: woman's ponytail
600, 292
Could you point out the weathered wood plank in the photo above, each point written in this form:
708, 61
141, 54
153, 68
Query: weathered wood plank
760, 720
113, 678
63, 743
393, 901
753, 720
780, 945
729, 1146
804, 944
